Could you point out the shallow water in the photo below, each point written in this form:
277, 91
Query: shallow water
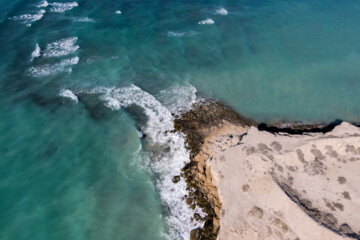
80, 84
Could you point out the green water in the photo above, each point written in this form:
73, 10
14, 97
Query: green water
72, 178
73, 164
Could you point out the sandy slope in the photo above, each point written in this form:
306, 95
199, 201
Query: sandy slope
281, 186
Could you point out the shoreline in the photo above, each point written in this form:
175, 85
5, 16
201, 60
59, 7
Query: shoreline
197, 124
214, 133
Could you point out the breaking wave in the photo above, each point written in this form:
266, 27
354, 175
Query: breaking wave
206, 21
51, 69
82, 19
182, 34
221, 11
58, 7
36, 52
66, 93
167, 153
62, 47
28, 19
43, 4
178, 99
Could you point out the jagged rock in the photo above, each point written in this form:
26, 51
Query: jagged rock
194, 234
176, 179
196, 124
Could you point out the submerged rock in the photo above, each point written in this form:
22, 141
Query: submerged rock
95, 106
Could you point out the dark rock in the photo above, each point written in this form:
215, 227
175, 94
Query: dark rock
176, 179
194, 234
330, 220
197, 217
204, 116
298, 127
345, 229
189, 201
167, 149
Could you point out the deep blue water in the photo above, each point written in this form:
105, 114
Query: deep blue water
81, 84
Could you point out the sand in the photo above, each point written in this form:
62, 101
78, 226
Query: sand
282, 186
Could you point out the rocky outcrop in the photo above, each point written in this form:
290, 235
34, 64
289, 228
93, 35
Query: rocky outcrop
208, 118
298, 127
196, 125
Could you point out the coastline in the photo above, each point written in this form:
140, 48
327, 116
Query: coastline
252, 185
197, 124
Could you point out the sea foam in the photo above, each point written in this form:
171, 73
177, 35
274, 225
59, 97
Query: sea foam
167, 153
62, 47
178, 99
82, 19
36, 52
68, 94
206, 21
28, 19
51, 69
221, 11
58, 7
181, 34
43, 4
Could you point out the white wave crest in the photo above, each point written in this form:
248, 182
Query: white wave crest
62, 47
58, 7
36, 52
221, 11
51, 69
182, 34
28, 19
206, 21
175, 34
168, 153
178, 99
68, 94
43, 4
82, 19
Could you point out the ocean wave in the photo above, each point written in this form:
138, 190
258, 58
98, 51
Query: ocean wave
206, 21
82, 19
168, 154
58, 7
28, 19
43, 4
51, 69
178, 99
66, 93
62, 47
221, 11
36, 52
182, 34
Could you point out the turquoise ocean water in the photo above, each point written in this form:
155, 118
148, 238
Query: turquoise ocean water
88, 88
